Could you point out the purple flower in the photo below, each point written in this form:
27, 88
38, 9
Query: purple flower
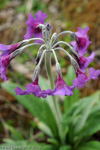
8, 49
94, 73
82, 78
79, 81
33, 88
83, 41
33, 23
85, 61
62, 88
4, 62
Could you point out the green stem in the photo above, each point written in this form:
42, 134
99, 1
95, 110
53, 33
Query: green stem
55, 102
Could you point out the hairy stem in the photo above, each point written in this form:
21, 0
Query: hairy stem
55, 102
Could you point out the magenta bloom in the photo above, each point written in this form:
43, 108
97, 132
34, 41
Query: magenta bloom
62, 88
33, 23
85, 61
33, 88
83, 41
82, 78
4, 62
8, 49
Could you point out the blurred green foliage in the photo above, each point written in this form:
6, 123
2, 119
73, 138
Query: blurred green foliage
3, 3
38, 5
21, 8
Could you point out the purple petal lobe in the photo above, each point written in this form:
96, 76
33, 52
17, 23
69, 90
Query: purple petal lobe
29, 33
85, 61
40, 17
30, 20
79, 81
4, 62
89, 59
3, 47
94, 73
62, 88
33, 88
19, 91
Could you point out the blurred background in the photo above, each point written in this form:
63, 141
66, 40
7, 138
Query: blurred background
63, 15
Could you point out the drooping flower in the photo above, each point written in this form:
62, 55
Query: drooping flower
62, 88
83, 41
4, 62
8, 49
33, 88
33, 25
85, 61
82, 78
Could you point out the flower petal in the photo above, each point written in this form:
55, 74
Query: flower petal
40, 17
79, 81
29, 33
94, 73
62, 88
19, 91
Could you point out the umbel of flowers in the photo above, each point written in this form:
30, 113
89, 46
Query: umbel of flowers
39, 33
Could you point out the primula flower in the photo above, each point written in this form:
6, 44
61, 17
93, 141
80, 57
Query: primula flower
83, 41
4, 62
33, 88
85, 61
8, 49
33, 24
82, 78
62, 88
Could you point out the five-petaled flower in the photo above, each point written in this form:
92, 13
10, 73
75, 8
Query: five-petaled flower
62, 88
83, 41
33, 25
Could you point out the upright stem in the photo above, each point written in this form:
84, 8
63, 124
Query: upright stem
48, 69
55, 102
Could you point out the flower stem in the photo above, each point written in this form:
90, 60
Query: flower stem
55, 101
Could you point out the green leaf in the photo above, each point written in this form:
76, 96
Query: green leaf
86, 111
44, 128
70, 100
83, 119
91, 126
70, 75
15, 134
84, 116
93, 145
36, 106
53, 141
65, 147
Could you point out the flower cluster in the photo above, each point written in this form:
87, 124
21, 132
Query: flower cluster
49, 44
